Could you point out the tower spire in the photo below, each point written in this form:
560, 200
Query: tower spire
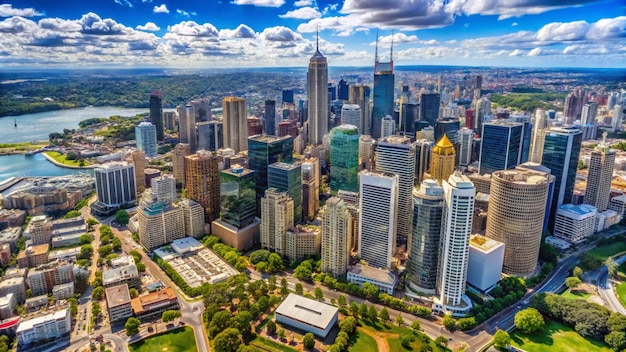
376, 52
391, 53
317, 38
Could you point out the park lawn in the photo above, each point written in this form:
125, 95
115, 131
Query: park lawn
179, 340
604, 252
363, 342
269, 345
576, 295
621, 293
382, 327
60, 158
556, 337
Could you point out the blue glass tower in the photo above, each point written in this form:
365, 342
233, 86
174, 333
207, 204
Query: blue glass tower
288, 178
344, 159
502, 146
384, 81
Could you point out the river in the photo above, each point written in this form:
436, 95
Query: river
36, 165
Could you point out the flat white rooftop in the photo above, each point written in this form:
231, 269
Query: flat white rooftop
307, 310
29, 324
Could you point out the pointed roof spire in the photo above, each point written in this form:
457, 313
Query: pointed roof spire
317, 40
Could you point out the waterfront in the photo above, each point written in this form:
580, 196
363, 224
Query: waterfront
35, 127
36, 165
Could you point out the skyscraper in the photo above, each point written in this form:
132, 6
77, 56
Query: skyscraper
187, 126
336, 235
115, 187
360, 95
429, 107
276, 219
618, 117
409, 115
317, 92
237, 196
203, 182
501, 147
156, 113
384, 83
343, 90
269, 126
466, 140
561, 149
310, 188
397, 155
351, 115
517, 207
456, 227
366, 150
263, 151
598, 191
181, 150
442, 160
287, 178
344, 158
138, 159
235, 124
210, 135
145, 135
377, 221
449, 126
425, 236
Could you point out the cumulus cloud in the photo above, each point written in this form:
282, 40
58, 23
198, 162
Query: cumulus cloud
510, 8
516, 52
535, 52
242, 31
261, 3
398, 38
185, 13
149, 26
558, 31
7, 10
161, 9
608, 28
301, 3
409, 14
280, 34
303, 13
193, 29
124, 3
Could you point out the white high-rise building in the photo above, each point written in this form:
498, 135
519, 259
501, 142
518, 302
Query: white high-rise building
351, 115
456, 228
164, 188
377, 220
336, 236
145, 136
276, 218
388, 126
317, 92
396, 155
235, 124
115, 187
466, 138
366, 146
618, 116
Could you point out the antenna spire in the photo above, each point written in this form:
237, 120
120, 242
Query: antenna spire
391, 53
317, 40
376, 53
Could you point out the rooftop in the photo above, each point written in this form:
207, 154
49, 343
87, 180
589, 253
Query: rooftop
580, 209
186, 244
139, 303
521, 177
117, 295
444, 147
4, 300
380, 275
30, 324
120, 273
306, 310
484, 244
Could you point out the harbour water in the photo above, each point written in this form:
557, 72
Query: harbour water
18, 165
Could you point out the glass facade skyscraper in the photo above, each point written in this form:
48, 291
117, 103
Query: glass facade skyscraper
269, 125
344, 159
502, 146
383, 100
429, 107
145, 135
237, 196
287, 178
156, 113
210, 135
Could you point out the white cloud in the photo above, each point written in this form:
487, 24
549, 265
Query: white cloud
261, 3
301, 3
558, 31
242, 31
516, 52
7, 10
303, 13
535, 52
124, 3
398, 38
608, 28
146, 0
185, 13
149, 26
510, 8
160, 9
193, 29
280, 34
514, 24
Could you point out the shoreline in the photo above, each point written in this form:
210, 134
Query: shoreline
51, 159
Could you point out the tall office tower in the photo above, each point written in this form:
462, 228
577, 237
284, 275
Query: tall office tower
203, 182
539, 125
238, 196
360, 95
466, 140
449, 126
336, 235
501, 147
397, 155
442, 160
384, 83
344, 159
138, 158
169, 118
542, 171
351, 199
187, 126
425, 236
378, 203
181, 150
429, 107
387, 126
263, 151
310, 189
287, 178
269, 126
478, 82
482, 109
210, 135
470, 116
589, 112
276, 219
561, 148
408, 117
517, 207
156, 113
332, 92
611, 101
235, 124
254, 126
145, 136
618, 117
598, 190
202, 109
423, 151
456, 227
351, 115
573, 106
366, 151
115, 187
288, 96
343, 90
317, 93
160, 224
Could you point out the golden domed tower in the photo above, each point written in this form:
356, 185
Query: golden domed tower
442, 160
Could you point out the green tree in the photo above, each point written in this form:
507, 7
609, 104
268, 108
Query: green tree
105, 250
261, 266
132, 326
578, 272
616, 339
406, 339
275, 263
372, 314
384, 315
281, 334
415, 325
501, 339
116, 244
441, 341
466, 323
86, 252
449, 322
529, 320
170, 315
572, 281
399, 320
319, 295
97, 293
84, 239
91, 223
271, 327
72, 214
354, 308
284, 287
363, 310
370, 291
219, 322
308, 341
122, 217
341, 301
227, 341
299, 289
348, 325
133, 293
136, 255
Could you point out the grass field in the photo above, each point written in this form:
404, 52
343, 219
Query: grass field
621, 293
363, 342
269, 345
576, 295
60, 158
179, 340
556, 337
604, 252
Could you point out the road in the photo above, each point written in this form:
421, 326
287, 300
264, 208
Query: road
606, 288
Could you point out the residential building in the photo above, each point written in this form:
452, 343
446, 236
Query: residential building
302, 242
7, 305
33, 256
39, 230
42, 279
307, 315
235, 124
383, 279
344, 158
288, 178
574, 223
442, 160
118, 303
600, 174
44, 327
181, 150
317, 94
145, 135
151, 306
115, 187
193, 216
63, 291
16, 286
336, 235
203, 182
160, 224
276, 218
484, 269
123, 274
310, 189
351, 199
618, 204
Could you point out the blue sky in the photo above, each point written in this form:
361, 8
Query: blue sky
280, 33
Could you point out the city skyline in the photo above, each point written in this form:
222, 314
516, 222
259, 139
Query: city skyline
278, 33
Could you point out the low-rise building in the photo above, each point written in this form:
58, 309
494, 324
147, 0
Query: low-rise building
42, 279
10, 236
384, 279
303, 243
15, 285
127, 274
574, 223
118, 303
34, 303
606, 219
11, 218
484, 268
5, 254
65, 240
152, 305
7, 305
618, 204
307, 314
63, 291
44, 327
557, 243
33, 256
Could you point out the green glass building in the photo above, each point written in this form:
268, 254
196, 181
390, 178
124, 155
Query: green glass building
238, 196
344, 159
288, 178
